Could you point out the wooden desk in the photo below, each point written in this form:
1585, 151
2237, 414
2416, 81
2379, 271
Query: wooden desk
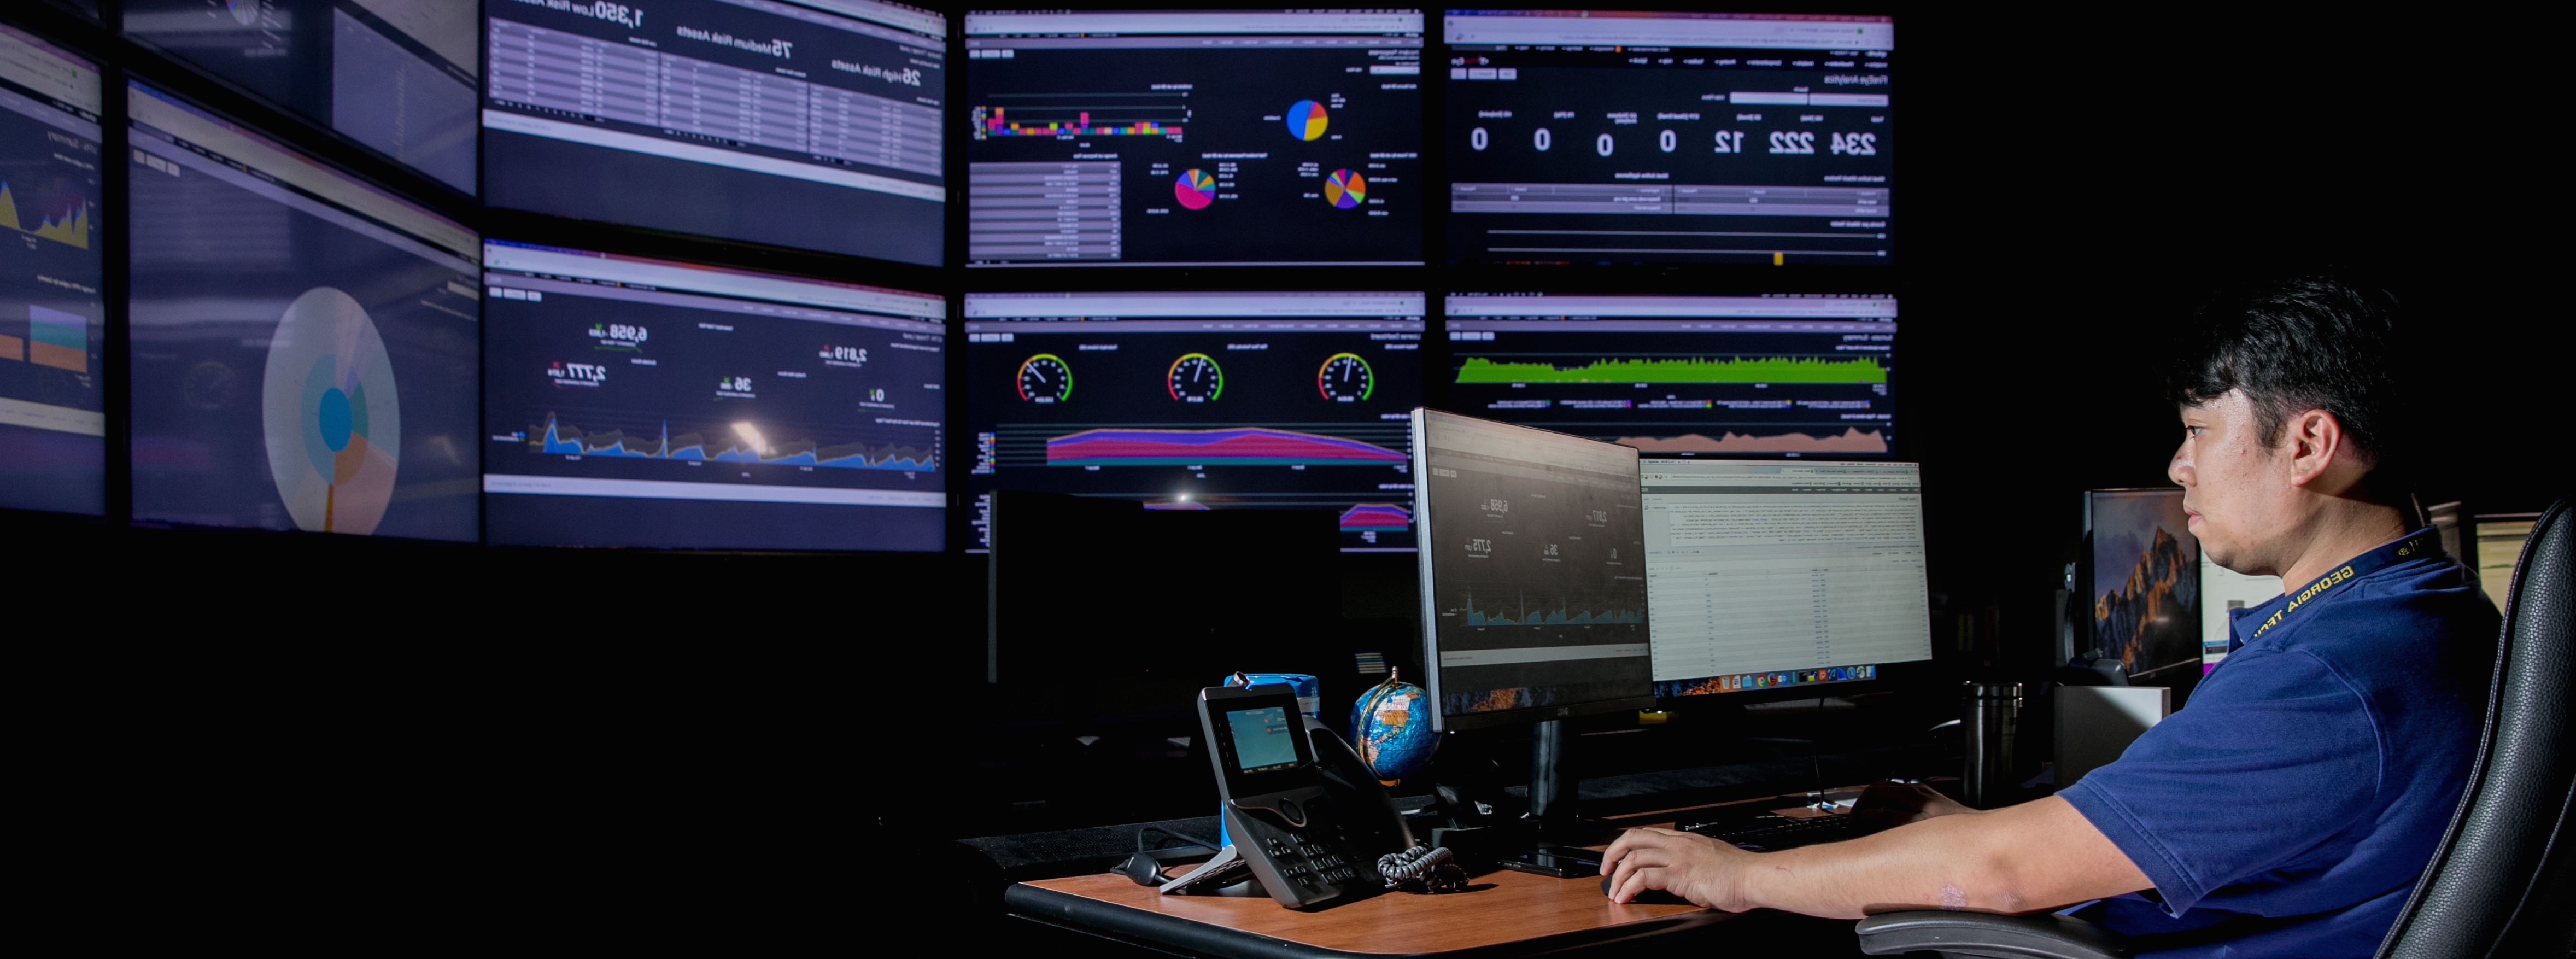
1504, 913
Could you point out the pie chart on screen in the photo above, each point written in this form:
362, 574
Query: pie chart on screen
1195, 189
329, 413
1345, 189
1306, 120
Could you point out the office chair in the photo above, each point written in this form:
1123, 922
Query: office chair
2502, 879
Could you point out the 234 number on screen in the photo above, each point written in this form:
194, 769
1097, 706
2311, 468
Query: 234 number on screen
1855, 144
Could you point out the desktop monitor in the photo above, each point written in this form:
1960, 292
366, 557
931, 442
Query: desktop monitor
53, 392
2223, 591
2143, 601
1766, 576
1190, 401
1683, 376
303, 344
636, 402
1534, 566
813, 124
395, 75
1194, 138
1608, 137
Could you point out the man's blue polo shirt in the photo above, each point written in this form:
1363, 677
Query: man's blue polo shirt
2289, 809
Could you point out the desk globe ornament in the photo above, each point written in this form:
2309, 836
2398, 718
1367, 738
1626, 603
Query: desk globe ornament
1391, 729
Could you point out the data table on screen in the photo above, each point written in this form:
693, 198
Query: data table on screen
1772, 567
816, 127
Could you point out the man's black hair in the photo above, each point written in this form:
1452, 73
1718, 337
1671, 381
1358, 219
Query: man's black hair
2294, 345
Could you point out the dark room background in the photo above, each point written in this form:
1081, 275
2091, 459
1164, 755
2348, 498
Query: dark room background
2077, 179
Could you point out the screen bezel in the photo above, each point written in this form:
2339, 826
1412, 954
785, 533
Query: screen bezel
1216, 704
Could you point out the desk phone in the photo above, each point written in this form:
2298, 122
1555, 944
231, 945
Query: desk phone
1308, 844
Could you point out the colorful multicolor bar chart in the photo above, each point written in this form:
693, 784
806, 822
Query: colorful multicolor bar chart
995, 124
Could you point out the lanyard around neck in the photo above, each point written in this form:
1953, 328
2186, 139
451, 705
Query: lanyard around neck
2424, 543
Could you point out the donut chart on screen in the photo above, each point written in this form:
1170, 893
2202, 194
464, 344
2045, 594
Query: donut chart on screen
1306, 120
1345, 189
1195, 189
330, 415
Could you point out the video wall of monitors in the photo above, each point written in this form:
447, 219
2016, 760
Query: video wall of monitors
720, 318
1607, 137
53, 402
1187, 138
304, 345
1198, 401
396, 75
633, 402
1683, 376
816, 126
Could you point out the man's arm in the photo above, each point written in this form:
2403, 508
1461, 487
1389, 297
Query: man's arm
2026, 858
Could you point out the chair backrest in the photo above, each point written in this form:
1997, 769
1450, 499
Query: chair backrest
2503, 882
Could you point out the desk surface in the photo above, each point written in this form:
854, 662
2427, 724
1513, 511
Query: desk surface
1502, 913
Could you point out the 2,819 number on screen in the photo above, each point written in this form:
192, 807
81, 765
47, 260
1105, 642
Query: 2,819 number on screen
1728, 141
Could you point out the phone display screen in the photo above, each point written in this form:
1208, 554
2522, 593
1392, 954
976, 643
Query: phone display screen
1264, 740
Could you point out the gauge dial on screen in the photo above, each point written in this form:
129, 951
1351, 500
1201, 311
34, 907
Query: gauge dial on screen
1195, 379
1345, 378
1045, 378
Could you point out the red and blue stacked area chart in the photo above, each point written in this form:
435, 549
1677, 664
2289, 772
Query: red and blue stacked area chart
1194, 138
1198, 401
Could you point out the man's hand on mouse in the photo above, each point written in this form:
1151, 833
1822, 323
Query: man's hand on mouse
1703, 870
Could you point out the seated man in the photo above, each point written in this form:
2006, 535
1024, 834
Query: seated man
2291, 807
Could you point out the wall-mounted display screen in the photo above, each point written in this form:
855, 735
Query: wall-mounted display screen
633, 402
303, 344
1178, 138
1683, 375
1198, 401
396, 75
1605, 137
814, 125
53, 403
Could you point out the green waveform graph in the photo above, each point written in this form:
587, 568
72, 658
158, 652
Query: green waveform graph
1780, 369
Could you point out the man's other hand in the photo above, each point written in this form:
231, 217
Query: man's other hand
1702, 870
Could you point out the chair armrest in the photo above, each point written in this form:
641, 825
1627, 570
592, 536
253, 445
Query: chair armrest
2043, 936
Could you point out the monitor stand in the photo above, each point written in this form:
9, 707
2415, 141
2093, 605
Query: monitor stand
1555, 817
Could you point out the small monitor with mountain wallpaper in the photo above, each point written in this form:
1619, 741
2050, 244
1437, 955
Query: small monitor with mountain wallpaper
2144, 589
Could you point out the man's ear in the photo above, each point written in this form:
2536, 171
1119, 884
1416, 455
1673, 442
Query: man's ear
2314, 438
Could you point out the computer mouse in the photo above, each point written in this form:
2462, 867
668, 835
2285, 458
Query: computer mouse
1650, 897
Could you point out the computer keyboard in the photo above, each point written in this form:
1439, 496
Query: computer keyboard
1776, 832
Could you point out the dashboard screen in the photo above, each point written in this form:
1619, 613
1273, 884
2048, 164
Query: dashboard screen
1178, 138
633, 402
1683, 375
53, 403
1199, 401
396, 75
814, 125
1533, 570
303, 344
1602, 137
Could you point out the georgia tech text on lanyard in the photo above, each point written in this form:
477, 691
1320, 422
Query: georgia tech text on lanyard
2419, 544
